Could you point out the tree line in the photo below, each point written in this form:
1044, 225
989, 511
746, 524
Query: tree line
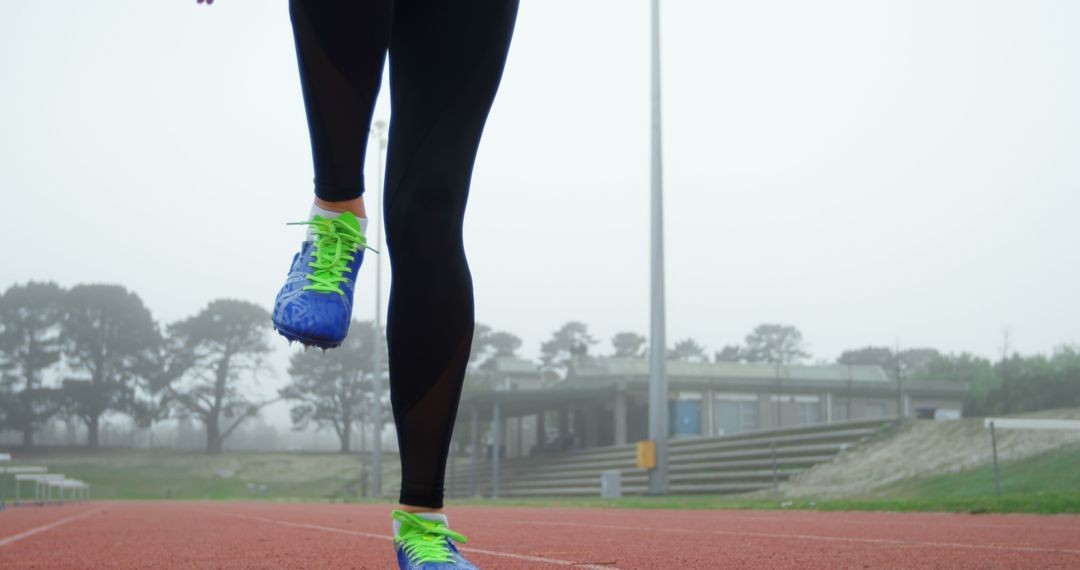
332, 390
111, 356
1013, 383
95, 349
92, 350
771, 343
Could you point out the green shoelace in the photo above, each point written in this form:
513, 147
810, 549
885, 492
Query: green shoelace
424, 541
336, 242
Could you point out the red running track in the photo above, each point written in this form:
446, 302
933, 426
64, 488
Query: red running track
268, 535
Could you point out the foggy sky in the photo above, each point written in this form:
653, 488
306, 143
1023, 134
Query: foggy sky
873, 172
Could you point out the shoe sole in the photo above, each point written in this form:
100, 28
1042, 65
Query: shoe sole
307, 342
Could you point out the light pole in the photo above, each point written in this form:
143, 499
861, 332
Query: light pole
658, 386
379, 133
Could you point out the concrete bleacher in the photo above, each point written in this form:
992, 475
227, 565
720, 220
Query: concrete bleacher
698, 465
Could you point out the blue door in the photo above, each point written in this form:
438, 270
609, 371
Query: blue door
685, 417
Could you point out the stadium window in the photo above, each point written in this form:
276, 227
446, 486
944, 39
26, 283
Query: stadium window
874, 410
731, 417
809, 413
748, 416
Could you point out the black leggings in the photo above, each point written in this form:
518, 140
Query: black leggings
446, 60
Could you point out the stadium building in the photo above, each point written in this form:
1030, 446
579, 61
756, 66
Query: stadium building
604, 401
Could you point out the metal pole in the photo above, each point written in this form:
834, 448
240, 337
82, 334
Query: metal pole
779, 399
496, 442
900, 397
658, 388
850, 388
376, 409
997, 469
775, 476
899, 385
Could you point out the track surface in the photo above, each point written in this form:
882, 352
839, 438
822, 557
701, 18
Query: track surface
267, 535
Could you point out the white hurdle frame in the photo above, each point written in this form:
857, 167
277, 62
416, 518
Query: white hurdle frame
39, 480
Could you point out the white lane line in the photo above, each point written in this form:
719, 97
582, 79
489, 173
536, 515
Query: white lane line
888, 541
43, 528
555, 561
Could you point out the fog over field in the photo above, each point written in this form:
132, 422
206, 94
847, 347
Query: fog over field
876, 173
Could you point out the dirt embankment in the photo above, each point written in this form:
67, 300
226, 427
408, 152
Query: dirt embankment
923, 448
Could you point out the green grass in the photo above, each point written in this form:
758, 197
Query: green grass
1054, 472
166, 474
1042, 503
1046, 484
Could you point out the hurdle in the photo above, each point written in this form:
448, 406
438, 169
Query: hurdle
39, 480
44, 484
23, 469
3, 503
80, 491
18, 470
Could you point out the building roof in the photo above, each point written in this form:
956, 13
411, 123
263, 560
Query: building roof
599, 378
530, 401
512, 365
636, 368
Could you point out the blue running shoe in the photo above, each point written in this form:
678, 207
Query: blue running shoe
423, 544
315, 304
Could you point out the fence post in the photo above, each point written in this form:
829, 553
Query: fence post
997, 468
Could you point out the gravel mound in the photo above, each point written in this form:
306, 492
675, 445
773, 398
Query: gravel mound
924, 448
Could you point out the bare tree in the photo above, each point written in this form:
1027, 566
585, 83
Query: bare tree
333, 388
225, 342
571, 341
688, 350
106, 332
489, 343
150, 398
628, 344
30, 317
776, 344
730, 353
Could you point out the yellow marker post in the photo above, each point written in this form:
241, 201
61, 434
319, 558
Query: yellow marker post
646, 454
